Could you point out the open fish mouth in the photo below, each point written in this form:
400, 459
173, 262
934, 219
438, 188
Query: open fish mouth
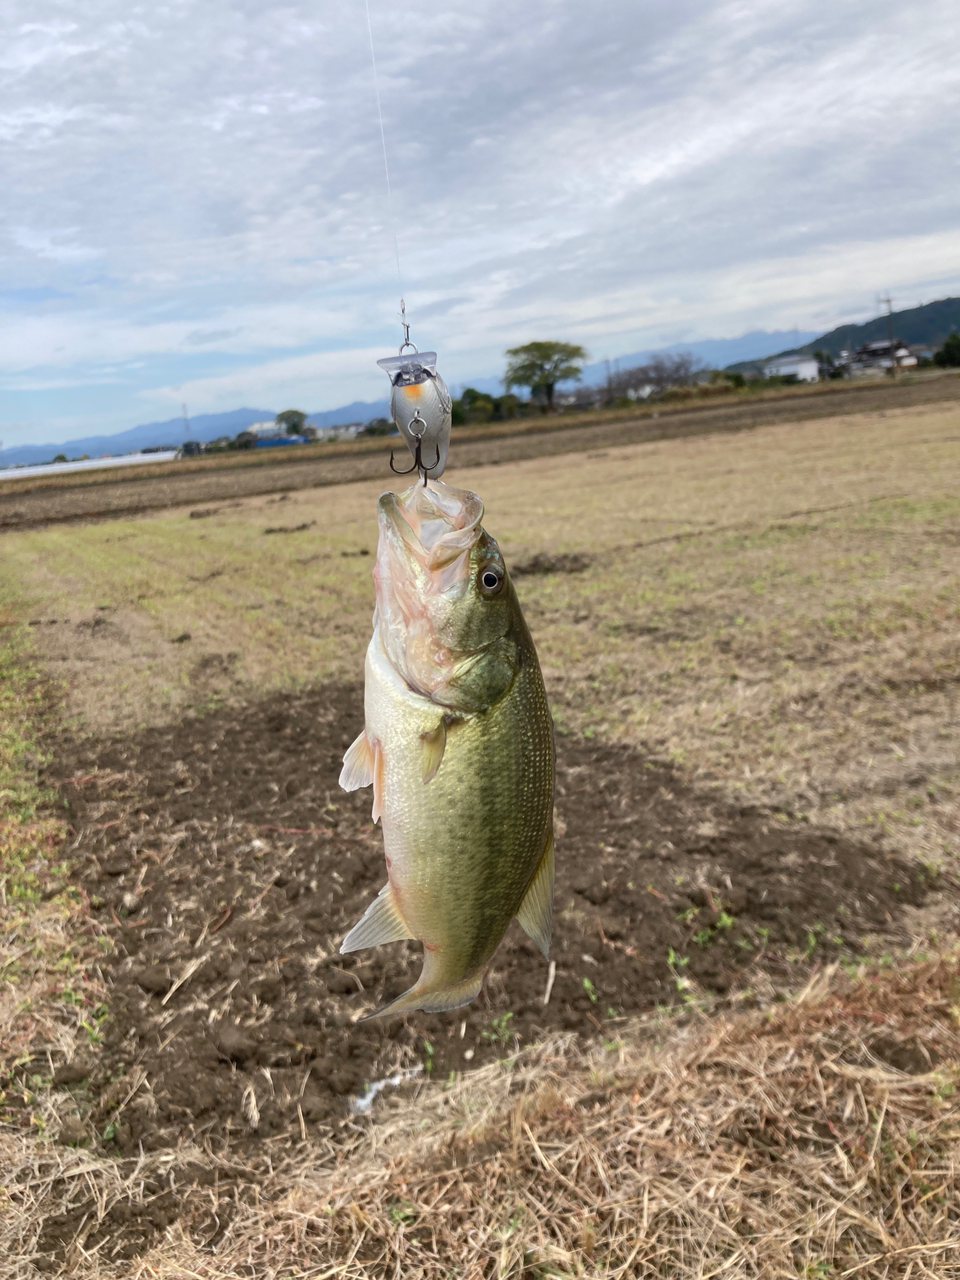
432, 522
427, 535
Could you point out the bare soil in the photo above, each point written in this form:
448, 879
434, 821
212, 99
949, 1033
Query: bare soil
37, 501
224, 863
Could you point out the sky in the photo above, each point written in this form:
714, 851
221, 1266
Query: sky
194, 207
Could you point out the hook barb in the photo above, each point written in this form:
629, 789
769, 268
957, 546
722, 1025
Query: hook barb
418, 463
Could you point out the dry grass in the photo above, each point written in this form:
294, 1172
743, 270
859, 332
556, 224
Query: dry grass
776, 611
50, 990
779, 1144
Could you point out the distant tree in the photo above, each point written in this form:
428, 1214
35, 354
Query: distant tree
678, 370
827, 367
474, 408
478, 407
507, 406
245, 440
948, 357
292, 421
541, 365
61, 457
662, 374
378, 427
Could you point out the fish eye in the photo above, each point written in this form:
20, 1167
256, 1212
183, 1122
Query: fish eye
491, 580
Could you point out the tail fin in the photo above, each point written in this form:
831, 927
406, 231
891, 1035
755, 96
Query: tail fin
431, 999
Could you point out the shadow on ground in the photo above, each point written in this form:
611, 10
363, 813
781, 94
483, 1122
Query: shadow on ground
226, 865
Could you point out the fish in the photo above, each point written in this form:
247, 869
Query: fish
458, 746
421, 406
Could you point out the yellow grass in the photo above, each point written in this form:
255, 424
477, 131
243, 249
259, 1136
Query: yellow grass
777, 611
50, 993
784, 1144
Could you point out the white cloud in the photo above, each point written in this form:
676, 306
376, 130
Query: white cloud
54, 245
207, 184
304, 379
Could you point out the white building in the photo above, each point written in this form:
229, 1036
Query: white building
876, 358
346, 431
803, 368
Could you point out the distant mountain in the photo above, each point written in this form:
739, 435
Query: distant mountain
207, 426
714, 352
358, 411
927, 325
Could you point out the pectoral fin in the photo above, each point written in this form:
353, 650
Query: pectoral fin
359, 764
378, 772
435, 744
363, 766
536, 909
381, 922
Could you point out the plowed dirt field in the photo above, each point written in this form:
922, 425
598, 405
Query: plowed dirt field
226, 866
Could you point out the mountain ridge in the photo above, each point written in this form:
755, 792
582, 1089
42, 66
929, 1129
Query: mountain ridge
930, 324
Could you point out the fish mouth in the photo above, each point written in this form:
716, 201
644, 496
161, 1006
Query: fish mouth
434, 526
427, 535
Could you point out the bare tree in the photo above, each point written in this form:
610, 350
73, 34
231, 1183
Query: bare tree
660, 374
678, 370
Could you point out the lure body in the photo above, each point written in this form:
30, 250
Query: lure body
421, 406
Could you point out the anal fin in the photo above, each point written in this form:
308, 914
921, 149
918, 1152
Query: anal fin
381, 922
536, 910
359, 763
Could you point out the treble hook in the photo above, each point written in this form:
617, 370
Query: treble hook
418, 463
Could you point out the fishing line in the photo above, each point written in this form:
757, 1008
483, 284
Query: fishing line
386, 166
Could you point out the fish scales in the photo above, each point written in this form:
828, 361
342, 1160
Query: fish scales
458, 743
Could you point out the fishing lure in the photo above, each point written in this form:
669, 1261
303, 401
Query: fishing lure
421, 406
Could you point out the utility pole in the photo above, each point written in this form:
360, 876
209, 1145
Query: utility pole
889, 301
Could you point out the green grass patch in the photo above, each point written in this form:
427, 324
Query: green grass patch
44, 941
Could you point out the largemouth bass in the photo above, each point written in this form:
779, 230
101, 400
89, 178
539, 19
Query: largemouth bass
458, 746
